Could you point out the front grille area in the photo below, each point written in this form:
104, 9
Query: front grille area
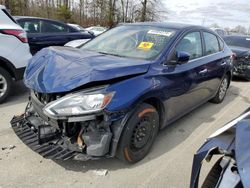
23, 130
46, 98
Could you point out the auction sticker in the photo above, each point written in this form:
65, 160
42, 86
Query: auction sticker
163, 33
145, 45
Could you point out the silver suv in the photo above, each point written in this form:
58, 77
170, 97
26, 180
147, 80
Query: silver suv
14, 52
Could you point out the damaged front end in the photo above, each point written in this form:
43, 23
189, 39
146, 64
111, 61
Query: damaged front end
242, 67
61, 135
76, 108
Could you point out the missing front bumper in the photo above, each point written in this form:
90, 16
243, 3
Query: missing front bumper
52, 146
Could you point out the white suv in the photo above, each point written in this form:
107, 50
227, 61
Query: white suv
14, 52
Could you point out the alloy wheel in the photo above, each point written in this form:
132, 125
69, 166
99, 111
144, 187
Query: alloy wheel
3, 85
223, 88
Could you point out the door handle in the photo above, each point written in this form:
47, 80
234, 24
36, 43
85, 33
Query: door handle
224, 63
204, 71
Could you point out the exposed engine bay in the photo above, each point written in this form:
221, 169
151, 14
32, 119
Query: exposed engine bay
81, 138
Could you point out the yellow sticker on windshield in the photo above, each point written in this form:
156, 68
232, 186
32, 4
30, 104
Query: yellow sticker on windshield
145, 45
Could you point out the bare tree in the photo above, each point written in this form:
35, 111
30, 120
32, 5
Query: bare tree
88, 12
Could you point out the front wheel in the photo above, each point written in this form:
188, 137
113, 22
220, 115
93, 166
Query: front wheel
139, 134
222, 91
5, 84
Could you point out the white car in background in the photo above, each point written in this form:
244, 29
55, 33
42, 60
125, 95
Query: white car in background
97, 30
14, 52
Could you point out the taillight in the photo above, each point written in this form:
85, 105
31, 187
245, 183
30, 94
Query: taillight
20, 34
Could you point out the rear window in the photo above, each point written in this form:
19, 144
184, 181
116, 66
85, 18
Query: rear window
7, 14
211, 43
238, 41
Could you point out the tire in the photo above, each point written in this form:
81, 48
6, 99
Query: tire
213, 176
222, 91
5, 84
138, 134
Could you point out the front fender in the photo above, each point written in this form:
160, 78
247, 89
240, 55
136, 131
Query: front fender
131, 92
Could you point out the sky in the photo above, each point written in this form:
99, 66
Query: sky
226, 13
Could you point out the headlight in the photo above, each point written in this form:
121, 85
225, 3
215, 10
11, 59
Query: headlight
78, 104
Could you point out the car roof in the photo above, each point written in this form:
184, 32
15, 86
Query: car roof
39, 18
172, 25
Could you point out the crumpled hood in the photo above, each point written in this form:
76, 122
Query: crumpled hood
61, 69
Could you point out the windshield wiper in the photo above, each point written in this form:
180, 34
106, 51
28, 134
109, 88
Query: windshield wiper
111, 54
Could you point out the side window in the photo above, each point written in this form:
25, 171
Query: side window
30, 26
50, 27
191, 44
211, 43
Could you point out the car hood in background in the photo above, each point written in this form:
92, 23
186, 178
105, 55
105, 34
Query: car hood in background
240, 51
76, 43
62, 69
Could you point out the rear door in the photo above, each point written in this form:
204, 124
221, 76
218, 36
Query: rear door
216, 62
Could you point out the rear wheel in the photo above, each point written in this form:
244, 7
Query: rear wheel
222, 91
139, 134
5, 84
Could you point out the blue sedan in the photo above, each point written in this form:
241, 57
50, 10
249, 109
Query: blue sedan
111, 97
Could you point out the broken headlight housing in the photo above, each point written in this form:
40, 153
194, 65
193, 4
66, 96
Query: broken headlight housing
79, 103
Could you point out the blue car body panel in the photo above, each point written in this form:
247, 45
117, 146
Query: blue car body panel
59, 69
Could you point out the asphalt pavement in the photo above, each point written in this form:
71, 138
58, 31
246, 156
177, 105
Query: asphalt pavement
167, 165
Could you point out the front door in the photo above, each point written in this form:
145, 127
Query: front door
185, 88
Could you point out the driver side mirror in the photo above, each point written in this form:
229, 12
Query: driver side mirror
179, 57
182, 57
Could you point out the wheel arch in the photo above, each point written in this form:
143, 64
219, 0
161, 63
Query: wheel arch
155, 102
119, 128
8, 66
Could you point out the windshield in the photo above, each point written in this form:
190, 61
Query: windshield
238, 41
142, 42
